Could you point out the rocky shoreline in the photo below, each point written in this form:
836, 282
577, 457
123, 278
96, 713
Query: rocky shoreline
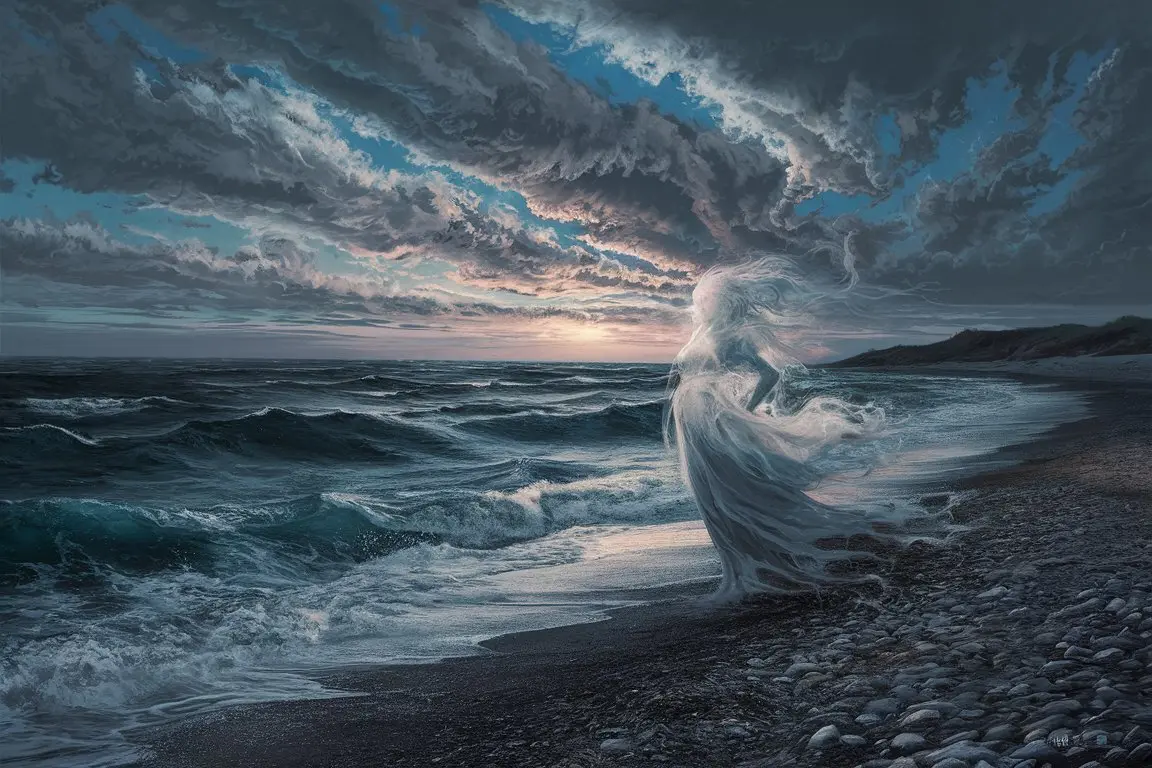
1047, 660
1027, 642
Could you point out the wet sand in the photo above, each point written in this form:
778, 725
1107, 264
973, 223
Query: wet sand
683, 682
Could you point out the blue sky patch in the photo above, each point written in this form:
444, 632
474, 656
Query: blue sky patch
396, 23
591, 66
989, 103
110, 20
124, 216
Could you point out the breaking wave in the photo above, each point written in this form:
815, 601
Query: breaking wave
333, 436
161, 556
80, 535
317, 532
269, 433
635, 420
81, 407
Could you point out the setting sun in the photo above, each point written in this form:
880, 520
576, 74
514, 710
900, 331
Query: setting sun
585, 333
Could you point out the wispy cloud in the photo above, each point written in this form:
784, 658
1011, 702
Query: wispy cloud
428, 163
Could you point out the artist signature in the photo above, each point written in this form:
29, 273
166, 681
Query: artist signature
1065, 740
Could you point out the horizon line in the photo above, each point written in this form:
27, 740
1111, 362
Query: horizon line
6, 357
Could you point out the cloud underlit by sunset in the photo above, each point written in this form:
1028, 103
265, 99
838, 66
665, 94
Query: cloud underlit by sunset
536, 179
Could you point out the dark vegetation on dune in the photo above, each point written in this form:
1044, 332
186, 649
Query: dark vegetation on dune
1124, 336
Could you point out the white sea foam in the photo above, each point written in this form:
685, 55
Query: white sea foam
251, 607
33, 428
79, 407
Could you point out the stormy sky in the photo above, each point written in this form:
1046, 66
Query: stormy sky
545, 179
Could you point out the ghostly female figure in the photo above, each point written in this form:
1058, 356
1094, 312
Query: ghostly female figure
747, 466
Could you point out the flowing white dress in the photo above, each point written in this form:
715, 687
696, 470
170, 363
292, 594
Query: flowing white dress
749, 473
750, 467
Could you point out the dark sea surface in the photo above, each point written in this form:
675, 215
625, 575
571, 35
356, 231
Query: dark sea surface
177, 536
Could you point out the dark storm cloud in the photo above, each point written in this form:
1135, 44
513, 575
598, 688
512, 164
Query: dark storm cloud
87, 267
77, 264
802, 84
981, 234
799, 88
465, 93
819, 75
983, 213
1107, 221
197, 139
821, 72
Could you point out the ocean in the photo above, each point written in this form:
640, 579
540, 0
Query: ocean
178, 536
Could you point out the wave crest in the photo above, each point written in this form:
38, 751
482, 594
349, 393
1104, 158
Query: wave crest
333, 436
315, 532
613, 422
83, 407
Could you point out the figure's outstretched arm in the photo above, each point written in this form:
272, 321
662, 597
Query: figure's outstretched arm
768, 381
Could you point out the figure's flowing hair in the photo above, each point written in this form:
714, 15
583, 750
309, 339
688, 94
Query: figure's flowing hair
750, 471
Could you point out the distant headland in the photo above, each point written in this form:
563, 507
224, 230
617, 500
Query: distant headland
1126, 335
